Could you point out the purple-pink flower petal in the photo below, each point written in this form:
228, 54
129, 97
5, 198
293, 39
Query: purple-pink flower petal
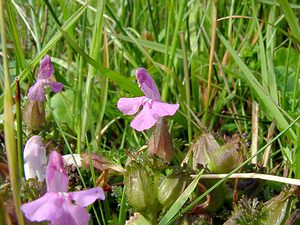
56, 177
130, 106
144, 120
46, 68
70, 214
35, 153
161, 109
35, 158
36, 92
153, 107
55, 86
56, 208
57, 205
44, 208
147, 84
87, 197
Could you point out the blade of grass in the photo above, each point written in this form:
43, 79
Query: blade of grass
104, 89
187, 86
78, 93
286, 72
19, 129
16, 39
9, 130
123, 208
296, 85
20, 65
297, 156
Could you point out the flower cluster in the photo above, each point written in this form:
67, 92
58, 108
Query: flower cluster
58, 205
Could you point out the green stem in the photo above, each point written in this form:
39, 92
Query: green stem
104, 90
123, 208
297, 155
16, 39
78, 93
19, 129
286, 71
9, 131
296, 85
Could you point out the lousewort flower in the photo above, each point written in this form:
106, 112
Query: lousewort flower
153, 107
59, 206
35, 160
37, 92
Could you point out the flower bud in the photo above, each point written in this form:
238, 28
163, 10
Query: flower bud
171, 188
140, 191
218, 159
34, 114
227, 157
35, 159
160, 142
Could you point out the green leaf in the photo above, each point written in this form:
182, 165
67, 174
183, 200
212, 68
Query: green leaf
62, 105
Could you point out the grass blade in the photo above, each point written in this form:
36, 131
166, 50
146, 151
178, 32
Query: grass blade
9, 130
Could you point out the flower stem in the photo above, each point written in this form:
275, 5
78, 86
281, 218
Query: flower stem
9, 131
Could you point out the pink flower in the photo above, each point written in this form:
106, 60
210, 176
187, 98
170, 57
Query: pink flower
37, 92
59, 206
35, 160
153, 107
